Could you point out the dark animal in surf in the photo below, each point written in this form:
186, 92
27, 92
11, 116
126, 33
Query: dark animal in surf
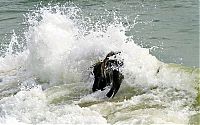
107, 73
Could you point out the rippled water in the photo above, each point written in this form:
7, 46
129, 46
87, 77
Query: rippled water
171, 26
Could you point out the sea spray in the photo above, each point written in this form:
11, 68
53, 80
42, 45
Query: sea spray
60, 51
58, 45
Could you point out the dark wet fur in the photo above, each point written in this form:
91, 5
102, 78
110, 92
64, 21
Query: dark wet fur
99, 82
108, 77
117, 79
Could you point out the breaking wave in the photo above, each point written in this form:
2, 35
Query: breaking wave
49, 81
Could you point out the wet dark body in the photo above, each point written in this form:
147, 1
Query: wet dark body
107, 73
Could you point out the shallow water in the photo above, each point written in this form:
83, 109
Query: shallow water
45, 74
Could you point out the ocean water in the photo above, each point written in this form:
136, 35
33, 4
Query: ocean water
47, 49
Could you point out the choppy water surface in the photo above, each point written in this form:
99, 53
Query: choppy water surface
47, 50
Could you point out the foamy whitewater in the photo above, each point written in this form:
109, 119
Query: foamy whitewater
50, 81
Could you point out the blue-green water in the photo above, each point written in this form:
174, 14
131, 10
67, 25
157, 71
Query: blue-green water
171, 27
47, 49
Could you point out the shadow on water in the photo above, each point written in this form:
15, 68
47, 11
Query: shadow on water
125, 92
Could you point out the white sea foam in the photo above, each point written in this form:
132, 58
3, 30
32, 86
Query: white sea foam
32, 107
60, 50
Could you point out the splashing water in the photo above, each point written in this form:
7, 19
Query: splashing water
50, 81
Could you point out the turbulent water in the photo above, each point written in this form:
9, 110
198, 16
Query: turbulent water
45, 73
